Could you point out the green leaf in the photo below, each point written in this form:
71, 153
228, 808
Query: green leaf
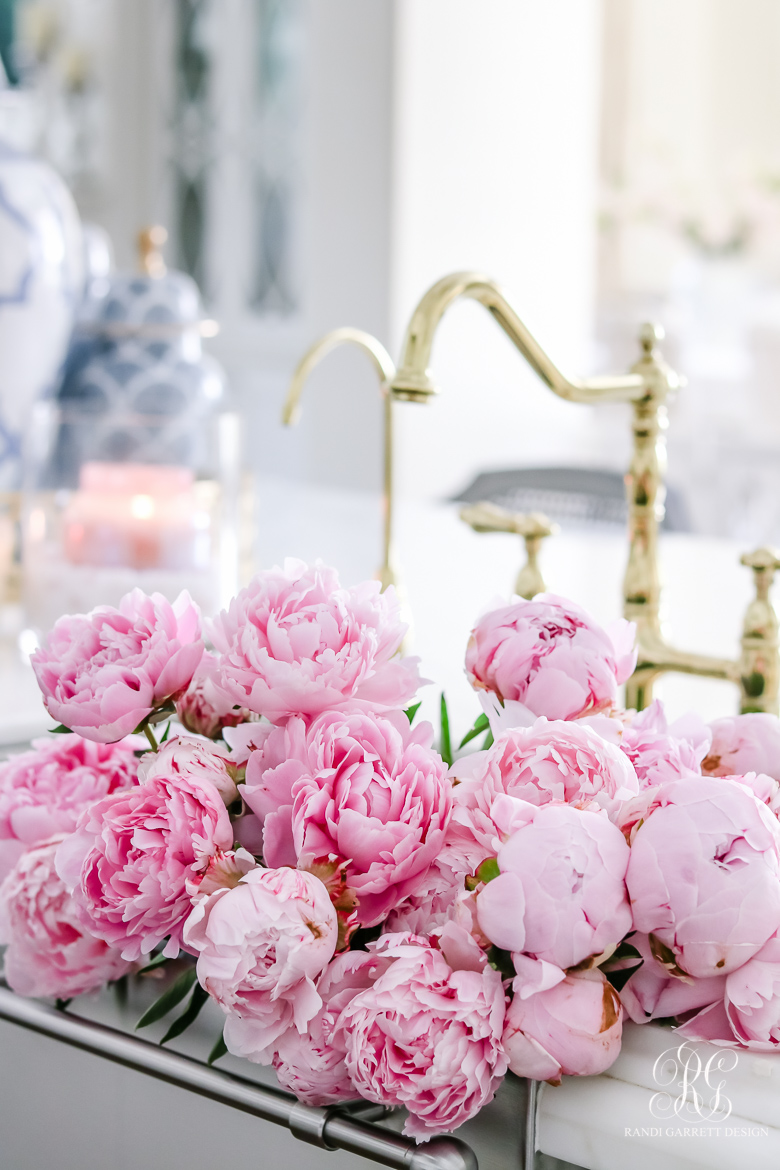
169, 998
626, 950
158, 961
167, 732
480, 724
484, 873
120, 990
488, 870
182, 1022
488, 741
60, 729
446, 746
410, 712
218, 1051
160, 714
620, 978
501, 961
61, 1004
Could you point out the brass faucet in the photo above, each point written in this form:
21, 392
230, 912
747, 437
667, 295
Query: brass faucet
387, 573
647, 387
413, 381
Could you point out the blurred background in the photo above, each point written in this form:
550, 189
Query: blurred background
319, 163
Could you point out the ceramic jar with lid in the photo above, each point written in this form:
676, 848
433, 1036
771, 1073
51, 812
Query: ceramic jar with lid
41, 285
133, 471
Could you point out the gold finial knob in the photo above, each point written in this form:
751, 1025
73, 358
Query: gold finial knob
764, 562
761, 558
532, 526
649, 334
150, 243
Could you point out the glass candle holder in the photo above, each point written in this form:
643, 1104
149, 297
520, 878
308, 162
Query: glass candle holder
93, 531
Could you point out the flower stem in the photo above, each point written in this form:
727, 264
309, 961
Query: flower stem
150, 736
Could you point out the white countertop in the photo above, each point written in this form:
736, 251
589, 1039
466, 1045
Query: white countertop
617, 1120
451, 574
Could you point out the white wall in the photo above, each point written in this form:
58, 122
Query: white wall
692, 122
495, 157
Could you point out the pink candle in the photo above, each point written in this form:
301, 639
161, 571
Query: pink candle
138, 516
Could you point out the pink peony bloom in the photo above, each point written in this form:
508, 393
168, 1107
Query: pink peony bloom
573, 1028
104, 672
435, 902
653, 992
710, 1024
49, 952
744, 743
245, 739
279, 759
747, 1012
427, 1036
43, 791
312, 1064
375, 794
293, 642
704, 874
561, 893
133, 854
194, 760
261, 945
548, 761
223, 872
659, 752
551, 656
204, 708
763, 787
365, 788
753, 999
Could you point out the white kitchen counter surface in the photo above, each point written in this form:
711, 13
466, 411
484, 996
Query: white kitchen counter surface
451, 574
622, 1119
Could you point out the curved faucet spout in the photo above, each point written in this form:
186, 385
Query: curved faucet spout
413, 382
383, 364
385, 368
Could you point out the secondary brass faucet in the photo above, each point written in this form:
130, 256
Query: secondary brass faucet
387, 573
647, 386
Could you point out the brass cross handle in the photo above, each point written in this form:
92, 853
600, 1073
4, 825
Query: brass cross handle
532, 526
758, 663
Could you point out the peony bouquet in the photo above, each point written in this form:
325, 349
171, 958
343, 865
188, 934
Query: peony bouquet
374, 918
